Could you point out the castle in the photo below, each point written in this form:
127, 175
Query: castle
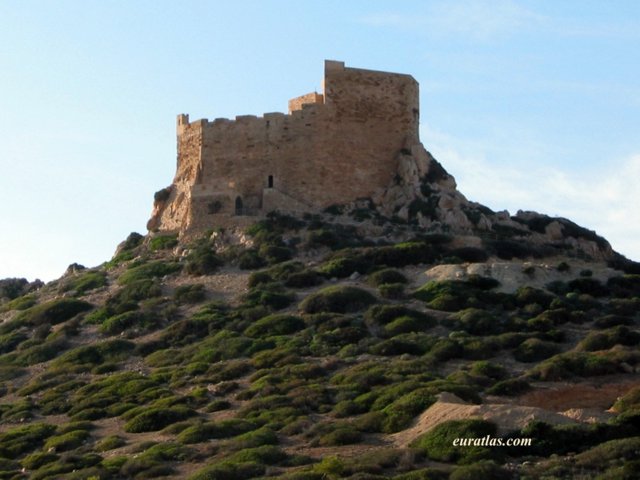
332, 147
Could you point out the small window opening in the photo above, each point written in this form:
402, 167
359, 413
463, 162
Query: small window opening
239, 206
270, 181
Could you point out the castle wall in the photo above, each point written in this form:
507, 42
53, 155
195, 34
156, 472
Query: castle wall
331, 148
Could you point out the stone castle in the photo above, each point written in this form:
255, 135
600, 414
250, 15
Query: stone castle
333, 147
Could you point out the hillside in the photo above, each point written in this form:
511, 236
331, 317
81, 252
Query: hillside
340, 345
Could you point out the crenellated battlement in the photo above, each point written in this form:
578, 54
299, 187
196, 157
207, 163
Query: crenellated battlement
331, 147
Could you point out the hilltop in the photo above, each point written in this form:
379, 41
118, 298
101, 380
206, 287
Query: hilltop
335, 345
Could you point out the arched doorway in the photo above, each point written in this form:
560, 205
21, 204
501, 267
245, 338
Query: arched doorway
239, 208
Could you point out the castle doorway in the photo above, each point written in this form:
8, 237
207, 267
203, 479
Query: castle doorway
270, 181
239, 208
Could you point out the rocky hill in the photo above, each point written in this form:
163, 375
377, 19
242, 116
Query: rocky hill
356, 343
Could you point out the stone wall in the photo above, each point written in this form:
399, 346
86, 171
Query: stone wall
331, 148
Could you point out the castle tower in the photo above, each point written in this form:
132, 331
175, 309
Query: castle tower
332, 147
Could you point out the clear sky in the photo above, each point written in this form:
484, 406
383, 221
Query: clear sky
531, 105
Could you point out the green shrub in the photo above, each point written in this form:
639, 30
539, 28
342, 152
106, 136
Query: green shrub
163, 242
251, 260
386, 275
9, 341
629, 401
479, 470
303, 279
229, 471
613, 320
39, 353
253, 438
11, 288
454, 295
401, 412
510, 387
154, 419
604, 340
275, 253
202, 260
384, 316
20, 303
209, 430
20, 440
437, 444
128, 320
109, 443
148, 271
85, 282
95, 354
405, 324
339, 299
275, 325
38, 459
193, 293
569, 364
54, 311
534, 350
66, 441
588, 285
477, 322
271, 295
344, 435
265, 454
392, 291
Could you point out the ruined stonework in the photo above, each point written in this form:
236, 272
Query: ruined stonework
332, 148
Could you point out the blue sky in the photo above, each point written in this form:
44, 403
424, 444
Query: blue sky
531, 105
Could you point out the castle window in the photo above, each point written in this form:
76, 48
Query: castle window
270, 182
239, 209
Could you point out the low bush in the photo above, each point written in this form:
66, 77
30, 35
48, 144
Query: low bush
66, 441
147, 271
91, 355
479, 470
606, 339
344, 435
570, 364
303, 279
438, 443
534, 350
163, 242
392, 291
339, 299
229, 471
275, 325
154, 419
17, 441
265, 455
510, 387
210, 430
185, 294
84, 282
118, 324
110, 443
54, 311
590, 286
271, 295
629, 401
477, 322
386, 275
202, 259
